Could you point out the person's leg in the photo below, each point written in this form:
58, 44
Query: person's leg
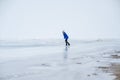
66, 42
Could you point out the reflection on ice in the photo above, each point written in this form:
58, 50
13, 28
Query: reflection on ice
66, 52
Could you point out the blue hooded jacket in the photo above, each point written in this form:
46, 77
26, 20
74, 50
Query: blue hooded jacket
65, 35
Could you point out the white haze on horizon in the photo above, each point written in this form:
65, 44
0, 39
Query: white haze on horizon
45, 19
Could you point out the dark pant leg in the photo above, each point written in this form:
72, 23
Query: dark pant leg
66, 42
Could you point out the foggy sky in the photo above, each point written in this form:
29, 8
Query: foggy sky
45, 19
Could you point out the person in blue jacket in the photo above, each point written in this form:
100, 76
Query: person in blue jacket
66, 38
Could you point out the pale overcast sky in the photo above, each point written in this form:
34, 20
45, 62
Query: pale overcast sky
42, 19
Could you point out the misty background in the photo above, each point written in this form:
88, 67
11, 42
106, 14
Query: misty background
45, 19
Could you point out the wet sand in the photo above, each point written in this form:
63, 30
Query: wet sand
114, 67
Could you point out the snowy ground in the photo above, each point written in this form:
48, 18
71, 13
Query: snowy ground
51, 60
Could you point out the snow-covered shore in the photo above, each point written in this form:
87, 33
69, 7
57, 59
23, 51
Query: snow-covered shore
51, 60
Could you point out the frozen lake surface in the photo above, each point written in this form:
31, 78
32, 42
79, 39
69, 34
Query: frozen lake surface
52, 60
